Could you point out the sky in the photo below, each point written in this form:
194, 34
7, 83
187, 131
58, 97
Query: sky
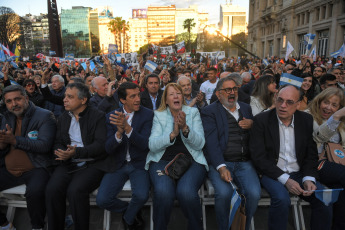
122, 8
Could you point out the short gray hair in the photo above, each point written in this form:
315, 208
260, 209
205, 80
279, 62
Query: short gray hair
60, 78
183, 77
246, 75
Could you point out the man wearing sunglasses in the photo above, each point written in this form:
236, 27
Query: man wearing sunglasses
284, 152
226, 125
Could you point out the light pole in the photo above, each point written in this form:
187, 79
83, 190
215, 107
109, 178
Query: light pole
213, 30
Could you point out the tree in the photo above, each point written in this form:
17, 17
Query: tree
9, 26
189, 24
119, 27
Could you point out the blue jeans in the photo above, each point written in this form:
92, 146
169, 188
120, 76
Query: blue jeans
333, 175
165, 190
112, 184
280, 204
246, 178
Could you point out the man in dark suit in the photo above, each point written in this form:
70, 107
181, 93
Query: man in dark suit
128, 131
283, 150
226, 124
151, 97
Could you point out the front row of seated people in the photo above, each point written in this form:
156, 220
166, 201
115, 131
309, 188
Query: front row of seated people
275, 150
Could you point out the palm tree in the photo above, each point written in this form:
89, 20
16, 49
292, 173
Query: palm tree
118, 26
189, 24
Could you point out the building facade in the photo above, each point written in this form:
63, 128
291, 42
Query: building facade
272, 23
161, 24
35, 30
137, 33
233, 19
79, 28
105, 15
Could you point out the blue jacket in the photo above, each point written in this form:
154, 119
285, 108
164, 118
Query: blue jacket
216, 128
160, 135
137, 142
36, 121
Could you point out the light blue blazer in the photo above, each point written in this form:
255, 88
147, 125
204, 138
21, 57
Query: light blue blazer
160, 135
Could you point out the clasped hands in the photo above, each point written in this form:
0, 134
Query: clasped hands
179, 124
119, 119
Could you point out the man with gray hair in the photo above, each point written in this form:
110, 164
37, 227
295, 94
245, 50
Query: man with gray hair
192, 98
57, 89
226, 125
104, 98
246, 77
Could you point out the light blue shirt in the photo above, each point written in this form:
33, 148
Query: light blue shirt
153, 100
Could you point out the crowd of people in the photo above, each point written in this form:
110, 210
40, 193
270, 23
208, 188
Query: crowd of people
66, 131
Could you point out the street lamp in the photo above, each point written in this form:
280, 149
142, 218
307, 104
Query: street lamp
213, 30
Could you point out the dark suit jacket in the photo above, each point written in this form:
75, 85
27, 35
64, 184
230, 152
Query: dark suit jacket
215, 122
137, 143
145, 99
265, 143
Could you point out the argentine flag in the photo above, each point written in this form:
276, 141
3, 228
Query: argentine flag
265, 61
290, 79
328, 196
51, 53
308, 40
150, 66
235, 204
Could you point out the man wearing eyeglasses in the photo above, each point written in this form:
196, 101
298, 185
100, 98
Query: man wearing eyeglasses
226, 125
284, 152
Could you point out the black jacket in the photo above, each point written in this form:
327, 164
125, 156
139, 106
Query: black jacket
93, 132
37, 134
264, 144
37, 99
145, 99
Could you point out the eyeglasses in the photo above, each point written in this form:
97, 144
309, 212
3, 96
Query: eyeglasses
229, 90
280, 101
30, 84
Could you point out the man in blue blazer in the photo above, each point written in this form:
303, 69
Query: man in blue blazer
128, 131
226, 124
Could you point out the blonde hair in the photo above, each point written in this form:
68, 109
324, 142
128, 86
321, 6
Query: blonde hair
163, 105
314, 106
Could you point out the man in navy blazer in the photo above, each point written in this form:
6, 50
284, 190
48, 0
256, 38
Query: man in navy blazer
128, 131
285, 154
226, 125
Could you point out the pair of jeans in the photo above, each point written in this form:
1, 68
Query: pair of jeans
246, 179
185, 190
333, 176
112, 184
35, 181
77, 186
321, 214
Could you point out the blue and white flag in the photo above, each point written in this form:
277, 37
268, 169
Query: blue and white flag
92, 65
14, 64
308, 41
235, 204
150, 66
340, 52
265, 62
290, 79
69, 57
2, 54
51, 53
328, 196
313, 53
289, 50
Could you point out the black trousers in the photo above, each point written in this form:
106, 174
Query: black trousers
76, 187
35, 181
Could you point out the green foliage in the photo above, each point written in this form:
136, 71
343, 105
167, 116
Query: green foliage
188, 24
119, 27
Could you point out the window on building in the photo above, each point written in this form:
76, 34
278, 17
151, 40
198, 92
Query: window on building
317, 14
307, 17
270, 48
323, 12
298, 19
330, 10
302, 45
322, 43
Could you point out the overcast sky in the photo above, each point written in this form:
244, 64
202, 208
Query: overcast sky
122, 8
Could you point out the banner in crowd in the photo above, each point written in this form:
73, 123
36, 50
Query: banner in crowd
52, 52
112, 48
130, 58
340, 52
177, 48
213, 55
69, 57
308, 40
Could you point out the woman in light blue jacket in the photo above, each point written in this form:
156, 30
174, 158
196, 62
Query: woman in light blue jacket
177, 128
